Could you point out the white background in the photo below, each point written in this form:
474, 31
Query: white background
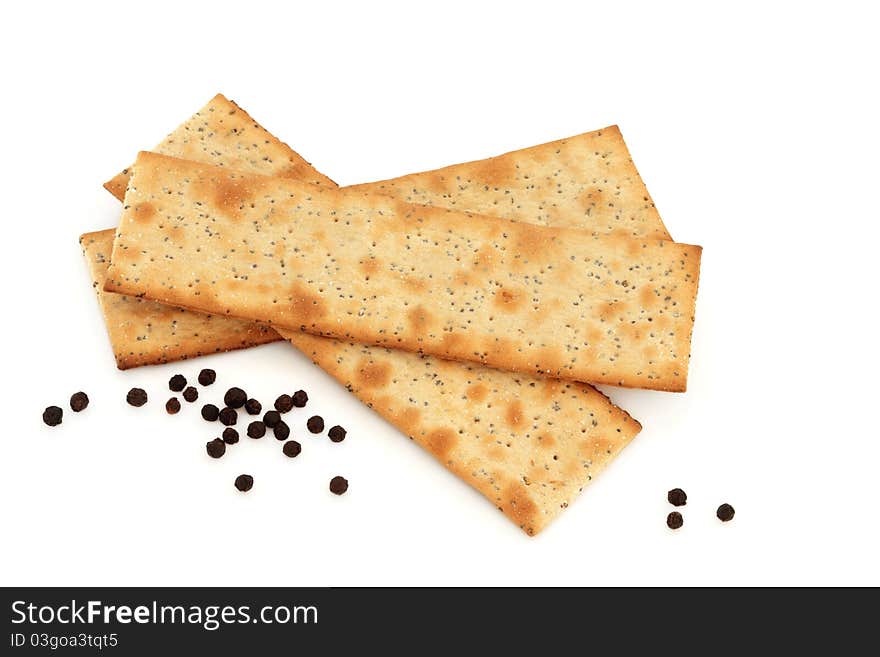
756, 131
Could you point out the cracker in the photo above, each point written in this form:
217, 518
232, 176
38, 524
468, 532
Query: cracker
345, 263
224, 134
145, 332
587, 181
528, 444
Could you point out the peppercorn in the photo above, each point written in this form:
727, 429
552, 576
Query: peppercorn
336, 434
315, 424
190, 394
725, 512
284, 403
210, 412
78, 401
230, 436
136, 397
281, 430
172, 406
235, 397
338, 485
291, 448
272, 418
244, 482
52, 415
300, 398
207, 377
674, 520
253, 407
677, 497
228, 416
256, 429
216, 448
177, 383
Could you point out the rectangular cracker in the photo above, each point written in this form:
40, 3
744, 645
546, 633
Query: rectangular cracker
345, 263
528, 444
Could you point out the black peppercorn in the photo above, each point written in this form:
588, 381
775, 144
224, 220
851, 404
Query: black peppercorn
78, 401
172, 406
210, 412
336, 434
674, 520
216, 448
228, 416
272, 418
177, 383
244, 482
256, 429
338, 485
230, 436
284, 403
725, 512
207, 377
281, 430
52, 415
677, 497
253, 407
291, 448
136, 397
300, 398
235, 397
315, 424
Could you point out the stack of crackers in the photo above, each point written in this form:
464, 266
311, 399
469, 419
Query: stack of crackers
471, 306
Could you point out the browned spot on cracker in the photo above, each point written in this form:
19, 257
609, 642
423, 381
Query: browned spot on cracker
494, 172
369, 266
608, 310
508, 299
371, 374
306, 307
231, 193
477, 392
419, 318
514, 413
546, 441
415, 283
441, 442
144, 211
409, 420
648, 297
517, 504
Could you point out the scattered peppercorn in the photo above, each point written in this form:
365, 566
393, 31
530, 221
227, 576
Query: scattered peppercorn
338, 485
216, 448
244, 482
291, 448
315, 424
207, 377
190, 394
677, 497
300, 398
271, 419
253, 407
210, 412
52, 415
281, 430
725, 512
78, 401
230, 436
256, 429
235, 397
172, 406
177, 383
136, 397
284, 403
336, 434
674, 520
228, 416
